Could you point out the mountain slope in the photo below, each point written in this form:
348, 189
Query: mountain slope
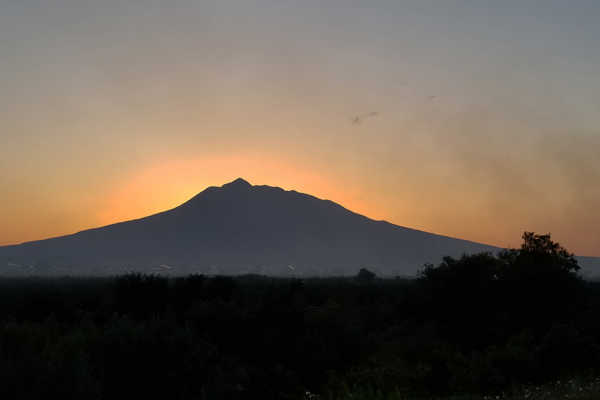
240, 228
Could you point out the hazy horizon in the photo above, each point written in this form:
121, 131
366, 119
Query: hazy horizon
114, 111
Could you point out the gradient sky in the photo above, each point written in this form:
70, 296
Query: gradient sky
113, 110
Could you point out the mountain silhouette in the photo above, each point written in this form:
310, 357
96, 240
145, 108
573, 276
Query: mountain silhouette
239, 228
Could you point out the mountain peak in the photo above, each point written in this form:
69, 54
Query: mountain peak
238, 183
238, 228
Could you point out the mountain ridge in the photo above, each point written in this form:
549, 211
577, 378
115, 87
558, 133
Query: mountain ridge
241, 228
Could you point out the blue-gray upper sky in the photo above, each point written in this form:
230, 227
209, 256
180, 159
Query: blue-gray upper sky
113, 109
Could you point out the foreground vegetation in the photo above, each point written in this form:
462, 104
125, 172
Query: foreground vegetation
571, 389
521, 324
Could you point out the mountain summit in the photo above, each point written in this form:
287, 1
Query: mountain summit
239, 183
239, 228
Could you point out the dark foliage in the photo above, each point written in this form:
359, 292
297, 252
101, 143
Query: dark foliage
364, 275
481, 323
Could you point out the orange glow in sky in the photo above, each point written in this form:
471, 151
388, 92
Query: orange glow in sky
138, 195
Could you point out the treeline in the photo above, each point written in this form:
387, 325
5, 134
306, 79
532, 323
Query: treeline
479, 324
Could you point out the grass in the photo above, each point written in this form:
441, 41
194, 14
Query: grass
572, 389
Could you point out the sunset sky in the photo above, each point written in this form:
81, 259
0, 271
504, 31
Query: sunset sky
113, 110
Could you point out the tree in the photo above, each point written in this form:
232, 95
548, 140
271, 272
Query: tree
364, 275
462, 296
540, 262
527, 288
543, 282
542, 250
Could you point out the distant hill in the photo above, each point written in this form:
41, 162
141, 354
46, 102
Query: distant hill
590, 266
240, 229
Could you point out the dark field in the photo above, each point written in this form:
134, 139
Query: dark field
482, 325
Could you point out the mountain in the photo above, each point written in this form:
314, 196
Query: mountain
239, 229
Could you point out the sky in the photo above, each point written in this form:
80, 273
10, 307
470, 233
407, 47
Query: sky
116, 110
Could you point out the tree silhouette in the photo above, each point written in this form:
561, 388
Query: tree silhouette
364, 275
540, 251
542, 279
481, 297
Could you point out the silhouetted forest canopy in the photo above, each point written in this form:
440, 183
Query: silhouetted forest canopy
480, 324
